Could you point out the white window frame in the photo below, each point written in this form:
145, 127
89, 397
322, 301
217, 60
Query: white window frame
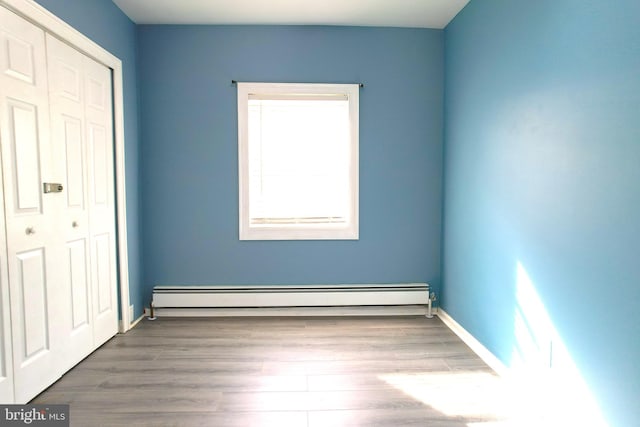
347, 231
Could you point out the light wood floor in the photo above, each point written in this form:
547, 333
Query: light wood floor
290, 371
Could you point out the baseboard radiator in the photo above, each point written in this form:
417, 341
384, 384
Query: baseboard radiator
406, 298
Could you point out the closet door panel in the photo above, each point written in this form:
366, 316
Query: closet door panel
25, 161
33, 243
32, 323
19, 58
100, 156
6, 350
78, 275
81, 116
98, 113
74, 159
68, 128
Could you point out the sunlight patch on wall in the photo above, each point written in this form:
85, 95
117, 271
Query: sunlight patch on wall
544, 374
542, 386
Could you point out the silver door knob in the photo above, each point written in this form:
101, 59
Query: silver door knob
30, 230
75, 224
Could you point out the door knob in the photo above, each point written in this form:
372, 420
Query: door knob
75, 224
30, 230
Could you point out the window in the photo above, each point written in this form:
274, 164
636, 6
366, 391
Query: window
298, 161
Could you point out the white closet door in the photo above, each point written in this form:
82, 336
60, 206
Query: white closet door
6, 365
99, 127
33, 240
68, 141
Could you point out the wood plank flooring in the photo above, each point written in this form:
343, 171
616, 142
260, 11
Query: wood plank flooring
289, 371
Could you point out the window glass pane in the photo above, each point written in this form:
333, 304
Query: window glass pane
299, 159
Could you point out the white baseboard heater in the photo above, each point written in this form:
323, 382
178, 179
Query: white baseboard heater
291, 299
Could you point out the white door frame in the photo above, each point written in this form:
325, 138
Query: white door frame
37, 14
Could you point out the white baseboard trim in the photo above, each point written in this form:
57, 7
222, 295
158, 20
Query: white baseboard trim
134, 323
473, 343
405, 310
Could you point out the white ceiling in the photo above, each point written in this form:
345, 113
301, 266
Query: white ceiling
384, 13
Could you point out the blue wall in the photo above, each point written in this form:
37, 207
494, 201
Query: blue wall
105, 24
190, 163
542, 169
